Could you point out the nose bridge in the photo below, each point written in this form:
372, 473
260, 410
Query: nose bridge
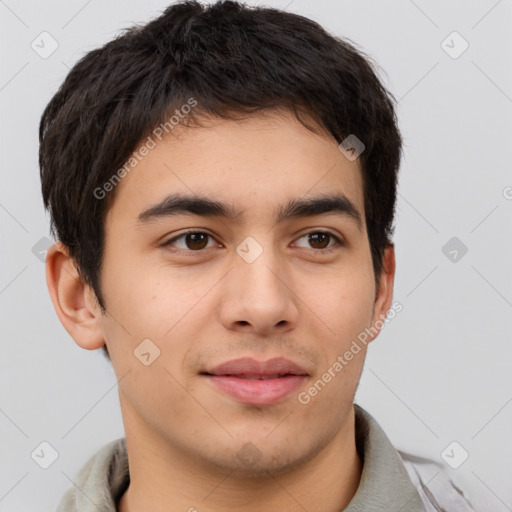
258, 267
259, 294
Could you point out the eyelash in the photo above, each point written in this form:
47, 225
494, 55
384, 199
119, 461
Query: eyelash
338, 240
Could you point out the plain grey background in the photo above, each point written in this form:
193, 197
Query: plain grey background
439, 372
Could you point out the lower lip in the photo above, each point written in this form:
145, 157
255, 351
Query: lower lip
256, 391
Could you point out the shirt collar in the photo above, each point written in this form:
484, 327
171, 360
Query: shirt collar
385, 483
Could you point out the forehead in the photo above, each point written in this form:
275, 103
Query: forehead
256, 166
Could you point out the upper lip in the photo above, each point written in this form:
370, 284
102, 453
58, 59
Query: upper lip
248, 366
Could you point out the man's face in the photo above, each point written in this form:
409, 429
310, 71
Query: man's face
252, 286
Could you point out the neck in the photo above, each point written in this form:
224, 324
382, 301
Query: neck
163, 479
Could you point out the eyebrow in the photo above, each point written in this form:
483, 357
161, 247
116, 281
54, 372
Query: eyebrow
176, 204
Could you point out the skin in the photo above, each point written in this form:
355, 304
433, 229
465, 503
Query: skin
207, 306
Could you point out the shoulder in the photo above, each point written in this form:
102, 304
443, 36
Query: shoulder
434, 485
99, 482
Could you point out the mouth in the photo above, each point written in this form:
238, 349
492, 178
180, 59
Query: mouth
253, 377
258, 383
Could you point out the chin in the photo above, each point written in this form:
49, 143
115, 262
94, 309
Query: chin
251, 462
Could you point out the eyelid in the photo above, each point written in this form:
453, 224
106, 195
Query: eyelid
339, 239
187, 232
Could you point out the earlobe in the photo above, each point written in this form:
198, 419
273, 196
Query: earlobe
384, 295
73, 300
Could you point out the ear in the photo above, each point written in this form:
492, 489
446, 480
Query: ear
74, 302
384, 295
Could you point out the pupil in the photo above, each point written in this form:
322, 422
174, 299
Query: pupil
319, 235
195, 238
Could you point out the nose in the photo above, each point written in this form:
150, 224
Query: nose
259, 297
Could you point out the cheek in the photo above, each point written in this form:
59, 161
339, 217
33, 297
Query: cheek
155, 396
149, 303
343, 302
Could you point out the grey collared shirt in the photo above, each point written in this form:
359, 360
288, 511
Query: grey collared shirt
390, 481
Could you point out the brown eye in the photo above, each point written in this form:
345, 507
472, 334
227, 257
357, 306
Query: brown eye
196, 240
191, 241
319, 240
